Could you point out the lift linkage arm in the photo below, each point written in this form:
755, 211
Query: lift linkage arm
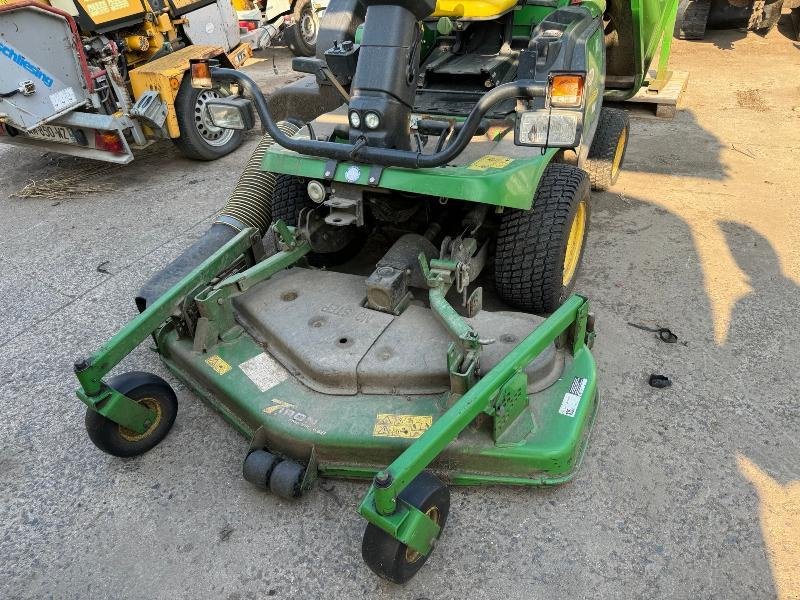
90, 372
406, 523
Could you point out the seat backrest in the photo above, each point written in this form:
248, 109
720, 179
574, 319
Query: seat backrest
473, 9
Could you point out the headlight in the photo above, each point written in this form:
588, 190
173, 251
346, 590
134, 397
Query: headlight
372, 120
316, 191
557, 129
355, 120
231, 113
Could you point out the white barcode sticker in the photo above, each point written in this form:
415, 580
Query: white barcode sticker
569, 405
63, 99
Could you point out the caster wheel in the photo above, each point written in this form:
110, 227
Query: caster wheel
390, 558
258, 466
148, 390
287, 479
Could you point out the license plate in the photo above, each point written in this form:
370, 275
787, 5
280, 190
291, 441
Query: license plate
53, 133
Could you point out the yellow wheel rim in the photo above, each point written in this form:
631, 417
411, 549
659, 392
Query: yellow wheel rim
574, 243
433, 514
621, 142
131, 435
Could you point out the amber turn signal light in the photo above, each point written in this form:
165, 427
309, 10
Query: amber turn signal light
566, 90
200, 71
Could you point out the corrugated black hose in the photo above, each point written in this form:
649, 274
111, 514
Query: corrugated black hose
249, 205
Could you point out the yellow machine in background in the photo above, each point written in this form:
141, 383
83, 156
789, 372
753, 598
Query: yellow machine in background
98, 78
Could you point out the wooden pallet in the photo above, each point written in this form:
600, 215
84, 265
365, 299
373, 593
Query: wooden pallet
666, 98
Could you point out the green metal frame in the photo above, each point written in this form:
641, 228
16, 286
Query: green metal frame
113, 405
382, 505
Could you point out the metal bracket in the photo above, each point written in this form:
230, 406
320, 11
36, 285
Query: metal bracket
375, 174
330, 169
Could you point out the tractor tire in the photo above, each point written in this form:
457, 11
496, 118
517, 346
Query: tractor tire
301, 37
538, 251
690, 23
200, 139
607, 152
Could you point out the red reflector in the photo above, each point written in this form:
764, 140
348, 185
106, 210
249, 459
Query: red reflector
109, 141
248, 25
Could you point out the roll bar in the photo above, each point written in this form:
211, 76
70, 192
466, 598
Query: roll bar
388, 157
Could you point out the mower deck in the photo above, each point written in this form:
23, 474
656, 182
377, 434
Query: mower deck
314, 371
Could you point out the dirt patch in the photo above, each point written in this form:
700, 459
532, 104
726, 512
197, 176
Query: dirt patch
751, 99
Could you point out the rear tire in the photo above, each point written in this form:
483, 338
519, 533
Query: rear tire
538, 251
609, 145
200, 139
301, 37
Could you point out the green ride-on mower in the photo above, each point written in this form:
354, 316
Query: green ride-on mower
334, 313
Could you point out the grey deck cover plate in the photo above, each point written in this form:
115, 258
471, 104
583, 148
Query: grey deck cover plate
315, 324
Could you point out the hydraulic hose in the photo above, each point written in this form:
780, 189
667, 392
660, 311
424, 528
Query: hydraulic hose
249, 205
523, 88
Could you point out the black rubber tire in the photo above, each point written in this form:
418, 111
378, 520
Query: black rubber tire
286, 480
692, 19
156, 393
531, 244
191, 143
618, 38
289, 198
389, 558
258, 466
293, 35
600, 164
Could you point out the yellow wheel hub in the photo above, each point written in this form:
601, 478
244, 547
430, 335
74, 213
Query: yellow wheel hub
621, 142
433, 514
574, 244
131, 435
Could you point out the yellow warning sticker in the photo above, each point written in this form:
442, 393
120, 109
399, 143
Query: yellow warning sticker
401, 426
490, 161
218, 364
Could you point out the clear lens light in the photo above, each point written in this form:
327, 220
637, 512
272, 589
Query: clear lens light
226, 117
316, 191
372, 120
355, 119
543, 128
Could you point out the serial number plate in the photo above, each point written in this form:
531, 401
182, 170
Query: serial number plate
53, 133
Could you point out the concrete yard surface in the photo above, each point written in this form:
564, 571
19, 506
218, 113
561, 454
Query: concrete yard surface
687, 492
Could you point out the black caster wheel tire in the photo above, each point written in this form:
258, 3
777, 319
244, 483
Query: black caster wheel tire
146, 389
391, 559
258, 466
287, 479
